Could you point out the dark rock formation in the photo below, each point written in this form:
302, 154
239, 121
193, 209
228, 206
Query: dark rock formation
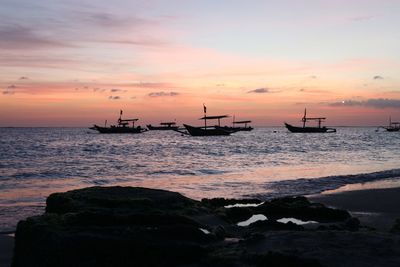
301, 208
222, 202
124, 226
114, 226
396, 227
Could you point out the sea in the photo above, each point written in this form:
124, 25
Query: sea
264, 163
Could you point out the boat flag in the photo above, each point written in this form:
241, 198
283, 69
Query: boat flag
205, 108
120, 113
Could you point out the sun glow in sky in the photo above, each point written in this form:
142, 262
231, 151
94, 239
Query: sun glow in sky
75, 63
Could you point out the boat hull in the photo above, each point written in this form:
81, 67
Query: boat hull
295, 129
117, 130
392, 129
235, 129
161, 128
212, 131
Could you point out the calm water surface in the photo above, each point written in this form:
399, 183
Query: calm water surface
266, 162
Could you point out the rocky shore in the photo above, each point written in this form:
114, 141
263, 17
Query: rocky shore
133, 226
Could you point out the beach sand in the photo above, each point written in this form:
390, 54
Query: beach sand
6, 250
377, 208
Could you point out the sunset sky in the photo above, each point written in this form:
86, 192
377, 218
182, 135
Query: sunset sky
75, 63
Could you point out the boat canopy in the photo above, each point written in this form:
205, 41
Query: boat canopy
310, 119
241, 122
168, 123
214, 117
125, 120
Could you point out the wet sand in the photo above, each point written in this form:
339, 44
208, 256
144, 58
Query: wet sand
377, 208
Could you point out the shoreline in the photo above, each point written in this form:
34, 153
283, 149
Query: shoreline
376, 208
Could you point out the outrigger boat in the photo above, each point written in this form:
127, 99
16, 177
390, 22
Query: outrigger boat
164, 126
206, 130
305, 129
121, 127
393, 126
235, 128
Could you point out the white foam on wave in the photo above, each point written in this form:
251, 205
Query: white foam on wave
308, 186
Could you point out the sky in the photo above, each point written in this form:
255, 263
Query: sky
76, 63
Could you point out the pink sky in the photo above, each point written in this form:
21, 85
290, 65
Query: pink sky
79, 64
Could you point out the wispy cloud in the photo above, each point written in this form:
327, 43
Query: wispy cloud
372, 102
115, 90
10, 90
142, 41
14, 37
378, 77
149, 84
99, 90
259, 91
114, 97
162, 93
361, 18
314, 91
24, 78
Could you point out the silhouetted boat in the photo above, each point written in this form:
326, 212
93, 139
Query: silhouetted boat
393, 126
305, 129
206, 130
235, 128
164, 126
121, 127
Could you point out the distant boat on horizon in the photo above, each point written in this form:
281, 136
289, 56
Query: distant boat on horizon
164, 126
307, 129
235, 128
121, 127
393, 126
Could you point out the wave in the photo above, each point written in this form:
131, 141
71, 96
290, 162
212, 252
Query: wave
308, 186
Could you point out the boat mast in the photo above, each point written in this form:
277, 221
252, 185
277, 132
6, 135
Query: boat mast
205, 116
304, 118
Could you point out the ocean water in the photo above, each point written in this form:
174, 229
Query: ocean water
264, 163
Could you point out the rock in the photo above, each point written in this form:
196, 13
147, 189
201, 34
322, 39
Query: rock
352, 224
278, 259
270, 225
133, 226
237, 214
219, 232
396, 227
300, 208
253, 238
112, 227
222, 202
121, 198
